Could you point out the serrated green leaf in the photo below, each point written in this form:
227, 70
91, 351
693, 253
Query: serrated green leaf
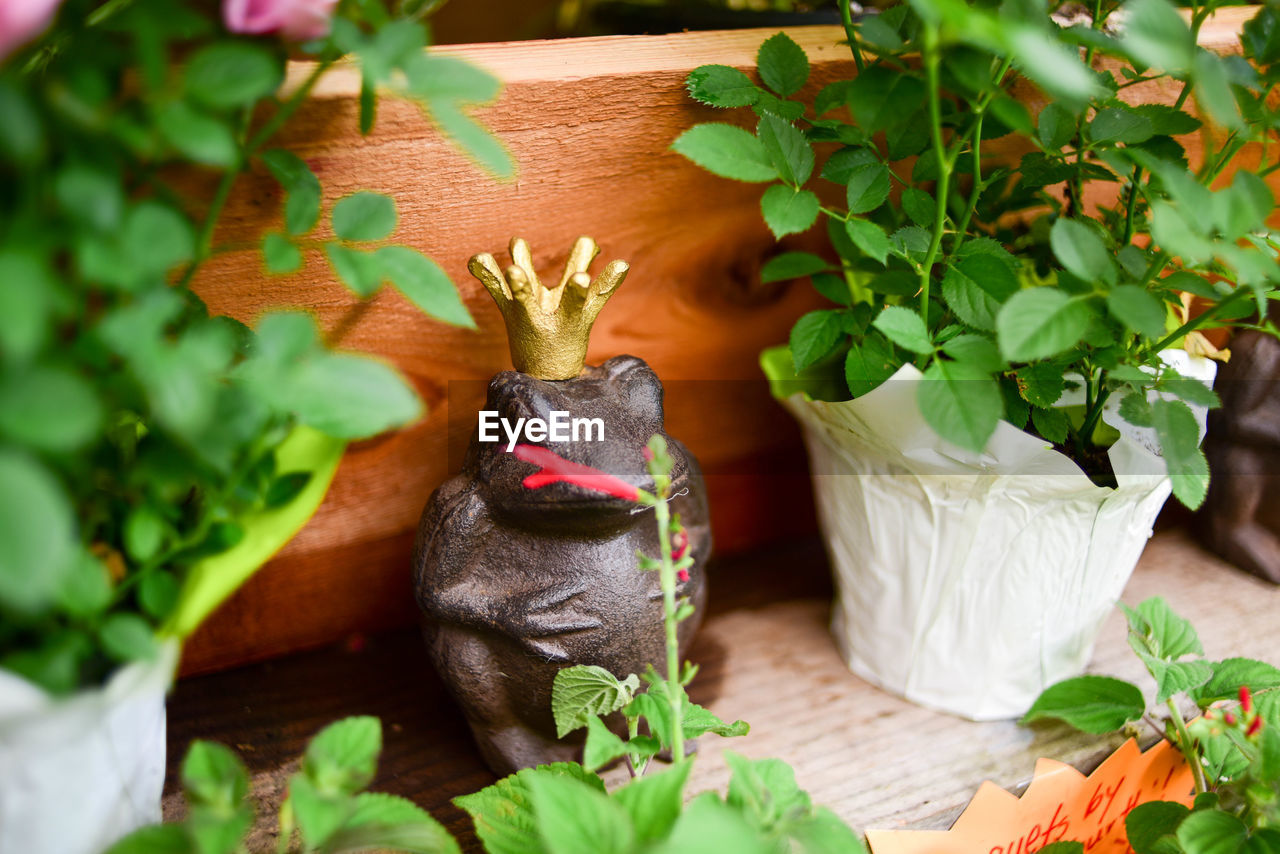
574, 818
1138, 309
1189, 389
382, 821
1156, 35
157, 839
792, 265
364, 216
920, 206
976, 350
1156, 630
1136, 409
1079, 248
342, 758
1051, 424
502, 812
782, 64
602, 745
868, 237
721, 86
1093, 704
213, 776
961, 403
1039, 323
868, 364
1230, 674
1175, 677
834, 287
1147, 824
1179, 436
787, 149
868, 187
904, 327
881, 98
1041, 384
425, 284
348, 396
1212, 832
976, 287
654, 802
727, 151
1119, 124
1055, 126
787, 211
156, 238
318, 814
814, 335
583, 691
709, 824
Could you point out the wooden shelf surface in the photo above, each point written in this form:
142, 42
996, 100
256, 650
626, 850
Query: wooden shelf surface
766, 657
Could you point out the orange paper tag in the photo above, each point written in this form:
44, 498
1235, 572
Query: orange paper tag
1060, 804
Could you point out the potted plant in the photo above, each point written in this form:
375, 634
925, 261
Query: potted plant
152, 456
1008, 382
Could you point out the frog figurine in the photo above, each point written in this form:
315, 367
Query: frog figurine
515, 583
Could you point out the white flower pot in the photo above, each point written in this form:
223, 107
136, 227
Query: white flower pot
970, 582
77, 773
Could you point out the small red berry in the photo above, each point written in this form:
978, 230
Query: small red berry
1246, 699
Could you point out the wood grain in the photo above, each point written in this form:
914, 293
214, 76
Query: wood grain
590, 122
765, 657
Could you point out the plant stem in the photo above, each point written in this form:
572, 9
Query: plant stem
846, 18
1199, 320
931, 62
204, 243
1187, 746
675, 691
1130, 205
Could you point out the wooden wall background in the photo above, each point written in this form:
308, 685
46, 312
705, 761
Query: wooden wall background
590, 122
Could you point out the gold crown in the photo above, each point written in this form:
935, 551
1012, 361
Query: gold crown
548, 328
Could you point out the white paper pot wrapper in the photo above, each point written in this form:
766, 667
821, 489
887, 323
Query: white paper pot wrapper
970, 582
78, 773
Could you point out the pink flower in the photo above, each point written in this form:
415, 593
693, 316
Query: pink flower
555, 469
23, 20
296, 20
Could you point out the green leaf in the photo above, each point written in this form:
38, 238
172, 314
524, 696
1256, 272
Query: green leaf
1179, 436
1175, 677
156, 238
765, 790
1136, 409
868, 187
840, 165
342, 758
364, 216
1093, 704
976, 287
280, 254
602, 745
792, 265
1157, 36
157, 839
1212, 832
285, 488
584, 691
1051, 424
727, 151
787, 149
881, 98
904, 327
814, 336
49, 408
425, 284
868, 364
158, 594
1039, 323
868, 237
319, 814
1116, 124
1147, 824
86, 589
127, 637
1079, 248
721, 86
1055, 126
1156, 630
144, 533
24, 302
961, 403
787, 211
358, 269
1213, 89
475, 140
213, 776
573, 817
708, 824
1066, 846
1167, 120
197, 136
1048, 61
1041, 385
834, 287
1189, 389
976, 350
301, 186
382, 821
1138, 309
654, 802
920, 206
90, 196
1231, 674
350, 397
232, 73
782, 64
503, 814
37, 534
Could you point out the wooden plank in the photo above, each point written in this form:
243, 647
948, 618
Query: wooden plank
765, 656
590, 122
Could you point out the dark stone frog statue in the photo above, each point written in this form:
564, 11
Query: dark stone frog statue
517, 583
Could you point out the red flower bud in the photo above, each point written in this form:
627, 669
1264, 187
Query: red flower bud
1228, 719
647, 453
1246, 699
683, 575
1254, 728
679, 544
